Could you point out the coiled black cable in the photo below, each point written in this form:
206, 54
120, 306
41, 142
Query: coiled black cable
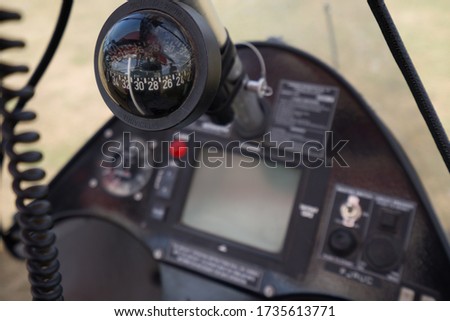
33, 216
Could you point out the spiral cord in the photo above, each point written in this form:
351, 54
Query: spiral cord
33, 210
33, 217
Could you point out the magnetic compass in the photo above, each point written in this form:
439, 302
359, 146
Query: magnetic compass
157, 65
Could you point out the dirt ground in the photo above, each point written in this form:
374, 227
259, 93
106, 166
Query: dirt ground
71, 110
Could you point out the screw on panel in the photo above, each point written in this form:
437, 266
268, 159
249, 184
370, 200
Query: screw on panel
138, 197
108, 133
269, 291
93, 183
157, 254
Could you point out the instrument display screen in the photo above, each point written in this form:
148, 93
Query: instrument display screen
251, 206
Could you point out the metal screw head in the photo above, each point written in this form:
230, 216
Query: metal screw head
138, 196
269, 291
93, 183
108, 133
158, 254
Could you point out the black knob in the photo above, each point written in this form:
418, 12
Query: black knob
382, 253
342, 242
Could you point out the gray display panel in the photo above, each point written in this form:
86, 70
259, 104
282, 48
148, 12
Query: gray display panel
251, 206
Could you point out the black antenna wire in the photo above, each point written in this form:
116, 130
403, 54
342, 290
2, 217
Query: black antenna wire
404, 62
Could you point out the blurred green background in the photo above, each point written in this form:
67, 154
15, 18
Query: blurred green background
71, 110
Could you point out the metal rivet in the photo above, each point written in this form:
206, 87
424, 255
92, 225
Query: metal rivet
269, 291
157, 254
108, 133
93, 183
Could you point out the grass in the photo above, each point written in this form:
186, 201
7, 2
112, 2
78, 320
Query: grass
70, 108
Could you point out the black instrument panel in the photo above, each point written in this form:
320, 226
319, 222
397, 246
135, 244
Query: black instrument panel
343, 220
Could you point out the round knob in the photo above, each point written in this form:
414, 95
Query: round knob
342, 242
382, 253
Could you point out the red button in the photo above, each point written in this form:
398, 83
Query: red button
178, 149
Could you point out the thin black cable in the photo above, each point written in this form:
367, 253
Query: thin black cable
404, 62
51, 48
